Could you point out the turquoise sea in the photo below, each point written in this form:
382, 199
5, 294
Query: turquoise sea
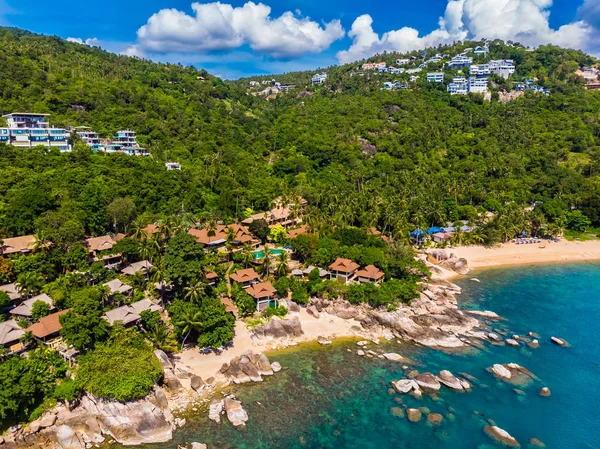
328, 397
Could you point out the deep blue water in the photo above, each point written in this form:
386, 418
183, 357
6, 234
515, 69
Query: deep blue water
328, 397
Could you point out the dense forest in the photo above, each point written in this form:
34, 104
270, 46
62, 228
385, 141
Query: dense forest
360, 155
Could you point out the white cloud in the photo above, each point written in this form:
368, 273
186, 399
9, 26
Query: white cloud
524, 21
92, 41
133, 50
220, 26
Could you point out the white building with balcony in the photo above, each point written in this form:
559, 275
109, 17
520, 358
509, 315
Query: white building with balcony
89, 137
28, 130
318, 78
435, 77
480, 70
502, 67
478, 85
460, 61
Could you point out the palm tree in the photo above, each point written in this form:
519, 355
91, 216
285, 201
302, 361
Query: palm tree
157, 275
211, 228
165, 228
189, 321
160, 338
282, 268
104, 291
230, 237
41, 242
195, 292
28, 283
138, 230
265, 264
247, 255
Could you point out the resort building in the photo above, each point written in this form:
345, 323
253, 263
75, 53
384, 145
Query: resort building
502, 67
11, 291
116, 286
89, 137
529, 86
285, 215
441, 237
24, 310
245, 277
130, 314
480, 51
402, 61
458, 87
125, 141
293, 233
460, 61
478, 85
48, 327
318, 78
28, 130
211, 278
218, 240
435, 77
264, 294
374, 65
10, 334
479, 70
173, 166
370, 274
343, 270
143, 266
13, 245
96, 245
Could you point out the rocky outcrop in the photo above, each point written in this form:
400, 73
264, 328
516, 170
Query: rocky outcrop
435, 419
323, 341
312, 311
485, 314
405, 386
196, 382
558, 341
501, 371
545, 391
428, 382
449, 380
513, 373
249, 367
277, 328
501, 435
215, 409
235, 412
461, 266
393, 357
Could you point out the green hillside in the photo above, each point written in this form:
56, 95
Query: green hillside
360, 155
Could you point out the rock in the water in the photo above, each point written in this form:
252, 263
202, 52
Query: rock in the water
276, 367
418, 394
475, 280
198, 446
360, 352
536, 442
545, 391
323, 341
493, 336
534, 343
501, 371
485, 314
414, 415
428, 382
196, 382
448, 379
435, 419
397, 411
235, 412
362, 343
501, 435
558, 341
394, 357
512, 342
405, 385
215, 409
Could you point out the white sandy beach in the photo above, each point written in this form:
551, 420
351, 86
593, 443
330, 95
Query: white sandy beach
513, 254
328, 326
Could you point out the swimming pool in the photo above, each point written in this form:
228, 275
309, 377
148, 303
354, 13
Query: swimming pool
260, 254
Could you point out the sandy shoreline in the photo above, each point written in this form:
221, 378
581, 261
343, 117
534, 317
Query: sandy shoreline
512, 254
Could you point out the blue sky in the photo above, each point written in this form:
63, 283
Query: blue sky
237, 38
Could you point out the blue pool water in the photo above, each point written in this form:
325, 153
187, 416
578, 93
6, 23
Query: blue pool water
328, 397
260, 254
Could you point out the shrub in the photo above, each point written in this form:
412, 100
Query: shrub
67, 391
300, 295
277, 311
124, 368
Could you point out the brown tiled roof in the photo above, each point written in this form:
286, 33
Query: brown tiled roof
229, 305
261, 290
344, 265
242, 234
119, 236
210, 275
244, 275
370, 272
20, 244
99, 243
293, 233
48, 325
151, 229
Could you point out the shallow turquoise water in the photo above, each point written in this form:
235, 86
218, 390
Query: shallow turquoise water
328, 397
